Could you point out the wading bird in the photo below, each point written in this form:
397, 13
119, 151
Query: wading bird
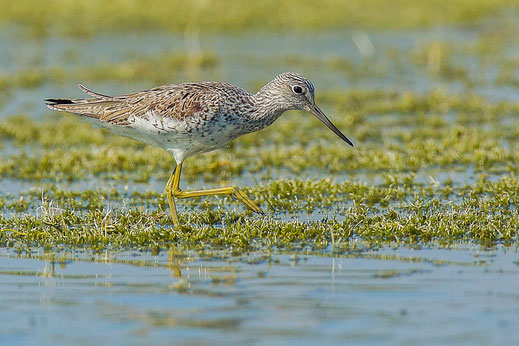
191, 118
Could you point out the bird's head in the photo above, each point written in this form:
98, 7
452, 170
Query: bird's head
293, 91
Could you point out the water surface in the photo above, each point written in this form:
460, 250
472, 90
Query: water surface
398, 296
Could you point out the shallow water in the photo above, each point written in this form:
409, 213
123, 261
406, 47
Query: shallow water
249, 58
398, 296
252, 58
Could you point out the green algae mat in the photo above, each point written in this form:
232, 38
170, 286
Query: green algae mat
436, 167
433, 111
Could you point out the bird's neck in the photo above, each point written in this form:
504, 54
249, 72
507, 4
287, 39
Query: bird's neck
267, 108
268, 101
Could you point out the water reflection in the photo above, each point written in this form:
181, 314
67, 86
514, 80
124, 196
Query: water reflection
385, 296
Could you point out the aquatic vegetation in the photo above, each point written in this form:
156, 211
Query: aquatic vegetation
436, 57
404, 134
132, 70
431, 136
509, 73
86, 18
401, 212
436, 152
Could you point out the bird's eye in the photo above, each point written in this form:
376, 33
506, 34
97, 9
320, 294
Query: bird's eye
297, 89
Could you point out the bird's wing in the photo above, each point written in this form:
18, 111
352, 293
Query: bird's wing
178, 101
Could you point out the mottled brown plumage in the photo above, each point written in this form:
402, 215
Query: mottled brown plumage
175, 101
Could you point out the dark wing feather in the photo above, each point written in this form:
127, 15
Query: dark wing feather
93, 93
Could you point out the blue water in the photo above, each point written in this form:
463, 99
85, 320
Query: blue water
401, 296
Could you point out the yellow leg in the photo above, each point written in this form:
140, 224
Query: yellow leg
171, 185
173, 190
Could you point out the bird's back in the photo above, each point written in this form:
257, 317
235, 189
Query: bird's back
175, 101
191, 117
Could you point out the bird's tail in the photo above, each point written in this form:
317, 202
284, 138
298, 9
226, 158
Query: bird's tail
92, 107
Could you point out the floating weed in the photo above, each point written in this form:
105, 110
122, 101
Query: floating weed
483, 216
237, 16
131, 228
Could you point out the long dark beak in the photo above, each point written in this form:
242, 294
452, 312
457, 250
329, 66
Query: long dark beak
320, 115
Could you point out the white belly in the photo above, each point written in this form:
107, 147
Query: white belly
180, 138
